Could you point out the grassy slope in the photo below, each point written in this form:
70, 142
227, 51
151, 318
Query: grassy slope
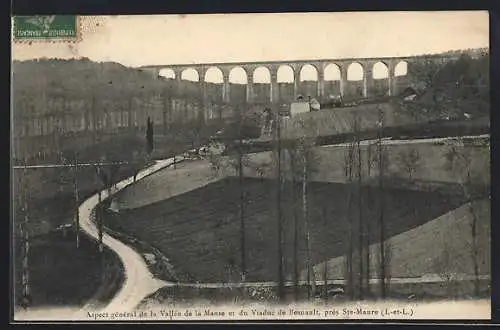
199, 230
166, 183
329, 168
431, 165
62, 275
338, 121
441, 246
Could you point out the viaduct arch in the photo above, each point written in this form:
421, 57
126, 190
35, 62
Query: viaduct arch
268, 81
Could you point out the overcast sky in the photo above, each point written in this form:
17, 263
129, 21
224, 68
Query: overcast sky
175, 39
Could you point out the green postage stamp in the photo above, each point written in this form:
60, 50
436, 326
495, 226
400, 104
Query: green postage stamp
46, 28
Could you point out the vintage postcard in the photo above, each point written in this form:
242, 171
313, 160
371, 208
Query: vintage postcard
305, 166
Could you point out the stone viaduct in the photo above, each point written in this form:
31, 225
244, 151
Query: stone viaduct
366, 83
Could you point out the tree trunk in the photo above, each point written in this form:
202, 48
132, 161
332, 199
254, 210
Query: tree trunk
94, 120
325, 268
242, 210
99, 221
474, 236
382, 266
166, 106
280, 225
170, 114
360, 220
387, 268
77, 202
26, 246
474, 251
367, 224
349, 258
306, 220
295, 226
130, 119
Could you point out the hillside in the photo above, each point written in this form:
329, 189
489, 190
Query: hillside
426, 249
67, 76
184, 226
450, 90
55, 85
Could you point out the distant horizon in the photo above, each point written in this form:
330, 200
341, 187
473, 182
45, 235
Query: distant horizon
267, 61
259, 76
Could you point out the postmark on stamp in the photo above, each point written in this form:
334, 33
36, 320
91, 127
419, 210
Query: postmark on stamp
52, 28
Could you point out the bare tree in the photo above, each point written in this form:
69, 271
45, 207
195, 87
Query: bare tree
238, 161
361, 229
409, 159
77, 202
95, 120
114, 171
101, 176
278, 151
325, 254
99, 221
458, 161
381, 163
216, 164
308, 161
231, 255
138, 164
388, 253
445, 267
349, 173
26, 292
293, 172
370, 163
131, 123
167, 112
306, 217
357, 267
242, 205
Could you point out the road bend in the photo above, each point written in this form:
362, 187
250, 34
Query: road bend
139, 282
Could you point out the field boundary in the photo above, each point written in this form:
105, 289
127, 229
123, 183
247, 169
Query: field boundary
394, 280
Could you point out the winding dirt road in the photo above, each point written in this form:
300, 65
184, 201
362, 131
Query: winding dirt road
139, 282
